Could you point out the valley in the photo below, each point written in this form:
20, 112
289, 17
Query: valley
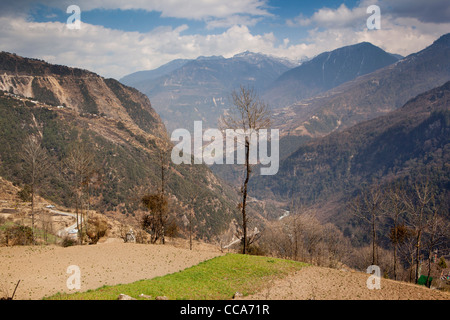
88, 176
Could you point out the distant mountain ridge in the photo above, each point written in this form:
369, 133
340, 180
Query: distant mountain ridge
412, 141
326, 71
200, 88
141, 76
78, 89
370, 95
137, 77
118, 125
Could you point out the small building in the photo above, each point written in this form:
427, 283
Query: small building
131, 238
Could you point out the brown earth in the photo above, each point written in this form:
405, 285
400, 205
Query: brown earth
317, 283
42, 270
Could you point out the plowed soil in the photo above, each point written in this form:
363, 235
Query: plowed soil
42, 271
316, 283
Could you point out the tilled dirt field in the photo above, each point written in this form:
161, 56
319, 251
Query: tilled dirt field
316, 283
42, 271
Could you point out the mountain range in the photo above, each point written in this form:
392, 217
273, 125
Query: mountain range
200, 89
348, 118
368, 96
412, 141
326, 71
118, 125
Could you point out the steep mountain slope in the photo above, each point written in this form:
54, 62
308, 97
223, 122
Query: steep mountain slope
200, 89
326, 71
80, 90
320, 74
411, 141
370, 95
117, 124
135, 78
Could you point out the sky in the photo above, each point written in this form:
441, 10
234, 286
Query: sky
119, 37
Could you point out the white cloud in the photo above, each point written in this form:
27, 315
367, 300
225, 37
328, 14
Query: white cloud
192, 9
232, 21
436, 11
341, 17
115, 53
400, 33
215, 13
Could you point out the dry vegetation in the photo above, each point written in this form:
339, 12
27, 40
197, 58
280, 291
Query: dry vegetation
42, 269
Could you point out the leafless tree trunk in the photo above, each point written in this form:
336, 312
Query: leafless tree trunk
337, 245
163, 210
418, 210
46, 224
368, 207
312, 236
36, 159
190, 217
250, 115
436, 229
407, 252
79, 164
157, 203
394, 209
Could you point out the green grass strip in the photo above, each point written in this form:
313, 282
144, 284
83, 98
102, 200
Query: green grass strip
215, 279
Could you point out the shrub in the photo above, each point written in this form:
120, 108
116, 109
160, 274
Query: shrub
97, 228
442, 263
18, 235
68, 242
255, 250
25, 193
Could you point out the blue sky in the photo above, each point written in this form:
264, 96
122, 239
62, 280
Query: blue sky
120, 37
144, 21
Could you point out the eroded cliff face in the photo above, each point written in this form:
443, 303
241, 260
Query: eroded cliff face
80, 90
119, 125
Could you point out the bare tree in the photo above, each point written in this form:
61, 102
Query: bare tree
190, 216
295, 235
367, 206
406, 252
248, 114
277, 239
437, 229
160, 213
312, 236
37, 162
394, 209
79, 165
418, 209
336, 245
91, 180
46, 224
153, 222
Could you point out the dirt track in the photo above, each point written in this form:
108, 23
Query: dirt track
42, 270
